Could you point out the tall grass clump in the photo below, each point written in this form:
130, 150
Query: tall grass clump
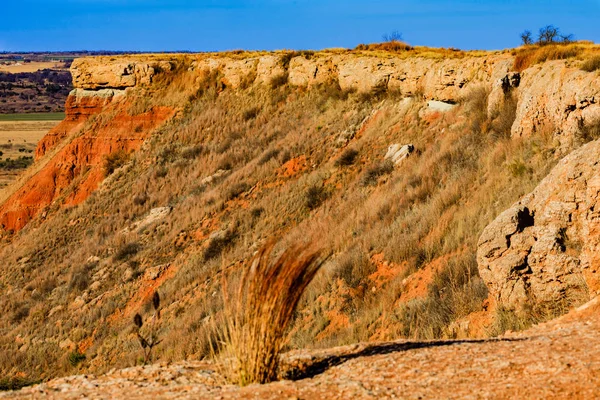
537, 54
260, 311
591, 64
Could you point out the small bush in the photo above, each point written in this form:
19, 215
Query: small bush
192, 152
237, 189
279, 80
268, 155
20, 313
15, 383
80, 278
287, 57
588, 132
375, 171
354, 267
218, 244
315, 195
260, 311
161, 172
140, 199
347, 158
19, 163
256, 212
518, 168
114, 161
251, 113
591, 64
75, 358
126, 250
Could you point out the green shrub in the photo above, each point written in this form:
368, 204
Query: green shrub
218, 244
114, 161
237, 189
315, 195
251, 113
279, 80
19, 163
347, 157
192, 152
375, 171
126, 250
75, 358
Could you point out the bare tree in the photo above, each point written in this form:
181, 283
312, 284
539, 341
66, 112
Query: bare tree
567, 38
394, 36
526, 38
548, 35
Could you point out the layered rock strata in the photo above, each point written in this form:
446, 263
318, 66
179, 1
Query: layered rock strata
555, 95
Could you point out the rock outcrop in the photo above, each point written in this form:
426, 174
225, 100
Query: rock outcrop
556, 97
546, 247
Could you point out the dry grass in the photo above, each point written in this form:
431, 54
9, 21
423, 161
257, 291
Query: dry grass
259, 314
591, 64
528, 56
392, 46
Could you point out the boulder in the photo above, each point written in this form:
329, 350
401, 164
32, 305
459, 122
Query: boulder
397, 152
546, 247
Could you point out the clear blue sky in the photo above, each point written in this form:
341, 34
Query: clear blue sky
206, 25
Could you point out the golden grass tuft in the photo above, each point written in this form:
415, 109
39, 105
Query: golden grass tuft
532, 55
591, 64
260, 312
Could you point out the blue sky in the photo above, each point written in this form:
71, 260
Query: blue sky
207, 25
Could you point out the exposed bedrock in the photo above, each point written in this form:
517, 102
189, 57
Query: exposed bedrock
546, 247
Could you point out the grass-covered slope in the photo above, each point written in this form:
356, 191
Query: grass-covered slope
235, 169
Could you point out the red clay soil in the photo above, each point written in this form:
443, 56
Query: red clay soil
82, 158
556, 360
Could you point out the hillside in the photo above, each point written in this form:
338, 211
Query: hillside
169, 171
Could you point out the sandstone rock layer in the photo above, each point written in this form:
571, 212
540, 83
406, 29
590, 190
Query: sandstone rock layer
554, 94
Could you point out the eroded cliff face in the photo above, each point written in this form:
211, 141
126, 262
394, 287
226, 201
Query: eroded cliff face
555, 96
545, 248
75, 151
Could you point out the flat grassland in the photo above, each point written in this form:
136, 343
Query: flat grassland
42, 117
19, 136
32, 66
